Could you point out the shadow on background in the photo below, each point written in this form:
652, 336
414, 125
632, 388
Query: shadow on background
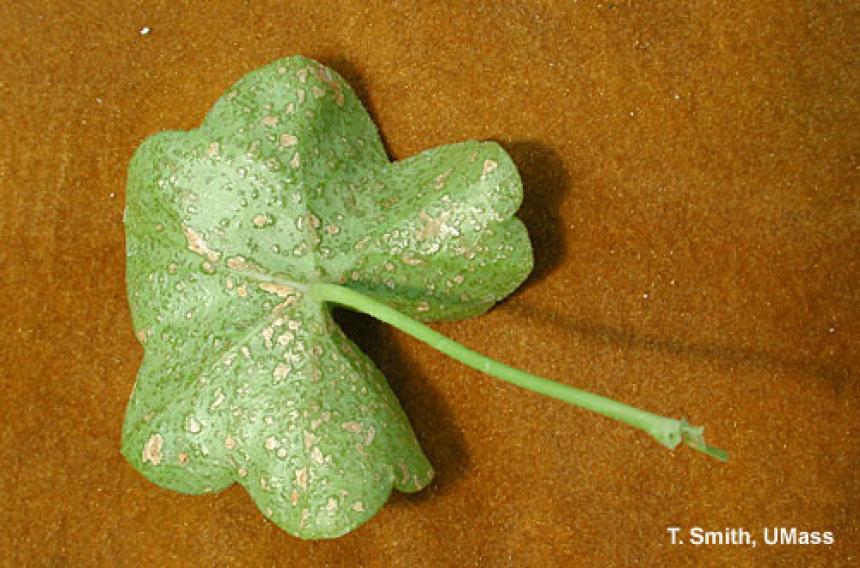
545, 183
628, 339
428, 412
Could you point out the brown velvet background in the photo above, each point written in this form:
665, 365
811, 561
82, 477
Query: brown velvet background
691, 187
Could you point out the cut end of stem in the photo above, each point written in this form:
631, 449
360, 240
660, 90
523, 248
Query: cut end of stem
671, 433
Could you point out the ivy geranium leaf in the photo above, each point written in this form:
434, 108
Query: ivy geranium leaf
246, 378
240, 236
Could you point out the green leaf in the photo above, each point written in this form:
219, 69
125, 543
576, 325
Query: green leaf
246, 378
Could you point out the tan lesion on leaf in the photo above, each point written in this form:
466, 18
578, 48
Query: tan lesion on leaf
267, 337
440, 180
198, 245
435, 228
288, 140
310, 440
280, 290
285, 338
241, 263
152, 449
192, 425
219, 399
280, 373
302, 478
353, 427
324, 75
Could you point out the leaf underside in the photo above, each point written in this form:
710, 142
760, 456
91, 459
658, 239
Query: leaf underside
246, 379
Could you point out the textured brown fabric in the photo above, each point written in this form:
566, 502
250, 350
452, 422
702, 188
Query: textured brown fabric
691, 187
